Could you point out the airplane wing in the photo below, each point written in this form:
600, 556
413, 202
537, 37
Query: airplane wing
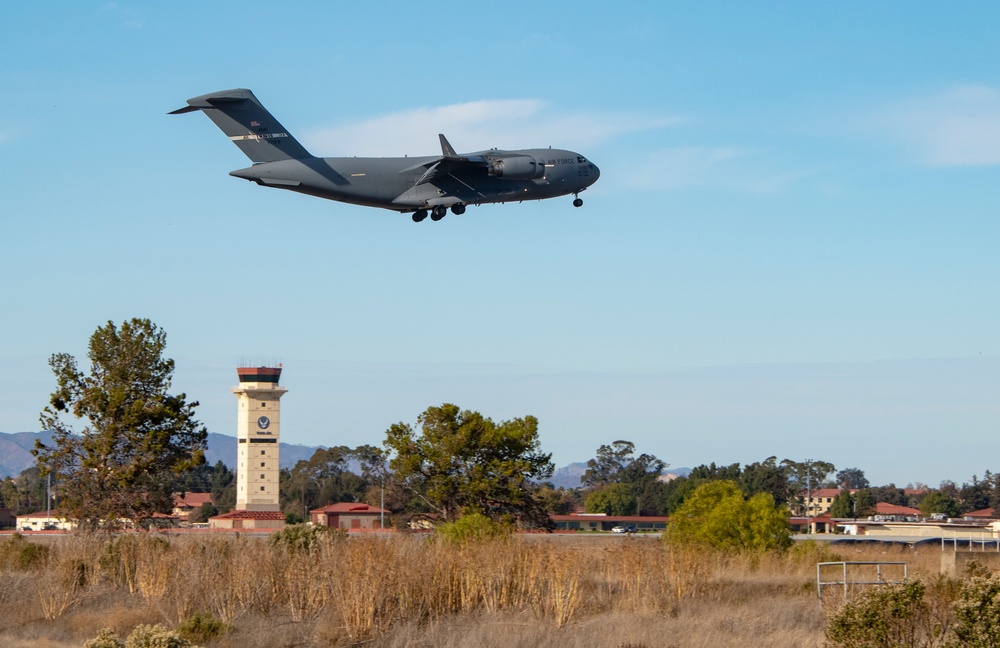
449, 162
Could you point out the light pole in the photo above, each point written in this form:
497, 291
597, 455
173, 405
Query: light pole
808, 496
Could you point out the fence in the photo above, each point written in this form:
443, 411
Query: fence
859, 575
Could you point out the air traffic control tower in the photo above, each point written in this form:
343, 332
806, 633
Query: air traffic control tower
258, 432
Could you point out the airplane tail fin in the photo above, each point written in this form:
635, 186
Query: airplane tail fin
248, 124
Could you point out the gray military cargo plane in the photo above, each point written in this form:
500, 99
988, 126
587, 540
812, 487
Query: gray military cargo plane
422, 185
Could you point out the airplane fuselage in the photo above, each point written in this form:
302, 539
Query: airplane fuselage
393, 183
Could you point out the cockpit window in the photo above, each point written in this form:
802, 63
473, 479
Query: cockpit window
581, 160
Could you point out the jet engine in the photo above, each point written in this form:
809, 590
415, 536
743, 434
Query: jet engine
521, 167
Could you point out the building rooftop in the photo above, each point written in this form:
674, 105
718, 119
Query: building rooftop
882, 508
250, 515
349, 507
194, 500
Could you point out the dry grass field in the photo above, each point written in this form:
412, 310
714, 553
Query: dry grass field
408, 591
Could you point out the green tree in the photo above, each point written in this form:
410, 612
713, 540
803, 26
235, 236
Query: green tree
864, 503
611, 499
460, 461
890, 494
717, 515
808, 474
202, 513
136, 436
852, 478
766, 477
616, 463
842, 505
557, 501
976, 495
937, 502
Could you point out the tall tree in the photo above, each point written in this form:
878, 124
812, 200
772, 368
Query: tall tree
611, 499
136, 436
864, 503
852, 478
766, 477
460, 462
938, 501
890, 494
842, 505
608, 464
808, 474
616, 464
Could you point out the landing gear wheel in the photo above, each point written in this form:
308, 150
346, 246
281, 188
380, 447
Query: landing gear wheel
458, 210
438, 212
578, 202
419, 215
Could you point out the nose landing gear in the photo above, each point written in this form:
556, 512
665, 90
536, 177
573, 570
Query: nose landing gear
578, 202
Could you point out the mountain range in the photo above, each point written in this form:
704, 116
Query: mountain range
15, 456
15, 451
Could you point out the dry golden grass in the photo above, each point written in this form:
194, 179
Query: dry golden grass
414, 591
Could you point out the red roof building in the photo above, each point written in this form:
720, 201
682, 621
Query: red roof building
248, 520
981, 514
602, 522
349, 516
882, 508
184, 503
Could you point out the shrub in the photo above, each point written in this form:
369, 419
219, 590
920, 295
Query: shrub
105, 639
888, 616
474, 527
304, 538
977, 612
157, 636
18, 553
202, 627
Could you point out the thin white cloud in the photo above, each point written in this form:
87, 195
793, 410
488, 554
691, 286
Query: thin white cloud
130, 18
7, 136
706, 167
477, 125
958, 127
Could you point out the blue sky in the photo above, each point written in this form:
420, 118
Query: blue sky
792, 249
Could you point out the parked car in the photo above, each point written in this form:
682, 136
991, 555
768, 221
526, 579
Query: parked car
623, 528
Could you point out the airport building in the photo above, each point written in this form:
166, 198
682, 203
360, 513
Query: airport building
258, 432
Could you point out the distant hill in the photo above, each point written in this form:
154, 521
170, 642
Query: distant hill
222, 447
15, 456
15, 451
569, 476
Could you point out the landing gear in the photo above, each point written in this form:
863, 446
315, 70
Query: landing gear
458, 209
419, 215
578, 202
438, 212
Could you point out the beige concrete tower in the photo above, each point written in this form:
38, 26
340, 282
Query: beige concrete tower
258, 434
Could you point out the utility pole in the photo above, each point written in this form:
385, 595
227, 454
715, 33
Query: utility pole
808, 495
